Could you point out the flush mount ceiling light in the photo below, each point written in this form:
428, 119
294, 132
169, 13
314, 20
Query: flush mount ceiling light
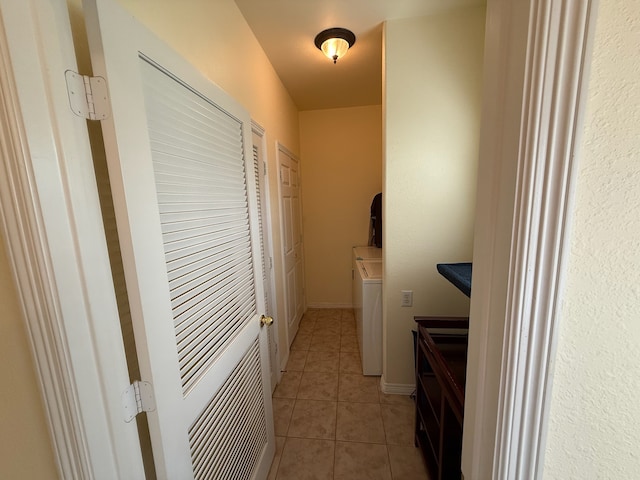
334, 42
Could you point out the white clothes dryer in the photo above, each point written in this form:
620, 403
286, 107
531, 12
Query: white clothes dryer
367, 304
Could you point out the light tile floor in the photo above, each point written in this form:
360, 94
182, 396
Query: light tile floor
331, 421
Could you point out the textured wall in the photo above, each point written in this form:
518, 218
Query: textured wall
594, 429
432, 82
341, 152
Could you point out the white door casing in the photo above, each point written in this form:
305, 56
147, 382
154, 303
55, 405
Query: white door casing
51, 220
292, 241
262, 185
179, 156
537, 55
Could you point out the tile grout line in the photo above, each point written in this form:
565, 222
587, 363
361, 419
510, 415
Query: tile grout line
378, 400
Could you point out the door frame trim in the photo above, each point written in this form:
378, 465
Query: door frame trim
266, 211
280, 148
534, 98
56, 245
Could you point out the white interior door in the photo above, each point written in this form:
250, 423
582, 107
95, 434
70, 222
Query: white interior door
180, 163
291, 208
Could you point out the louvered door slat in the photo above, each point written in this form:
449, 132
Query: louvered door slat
194, 212
189, 196
215, 333
187, 290
199, 348
192, 161
188, 225
216, 238
200, 185
188, 330
213, 438
224, 137
197, 152
256, 173
182, 274
189, 142
216, 241
206, 438
168, 183
192, 312
201, 228
195, 177
187, 294
185, 103
192, 156
209, 337
190, 253
191, 170
198, 262
196, 116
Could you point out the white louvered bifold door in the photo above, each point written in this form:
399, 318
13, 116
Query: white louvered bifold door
180, 163
260, 174
257, 173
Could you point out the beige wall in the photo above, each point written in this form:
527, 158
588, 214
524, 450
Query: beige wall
341, 153
433, 70
26, 450
594, 429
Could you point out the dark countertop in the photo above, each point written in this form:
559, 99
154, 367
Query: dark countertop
459, 274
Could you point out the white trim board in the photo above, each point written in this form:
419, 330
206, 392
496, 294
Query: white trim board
56, 245
396, 388
536, 62
259, 131
281, 149
321, 306
283, 362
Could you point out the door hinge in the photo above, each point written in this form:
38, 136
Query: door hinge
88, 96
270, 263
264, 168
137, 398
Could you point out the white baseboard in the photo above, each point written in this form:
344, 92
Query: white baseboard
329, 305
396, 388
283, 364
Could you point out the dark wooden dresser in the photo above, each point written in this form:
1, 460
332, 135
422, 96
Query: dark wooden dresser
441, 359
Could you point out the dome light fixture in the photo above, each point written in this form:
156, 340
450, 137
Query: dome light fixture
334, 42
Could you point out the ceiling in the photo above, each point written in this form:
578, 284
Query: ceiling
286, 30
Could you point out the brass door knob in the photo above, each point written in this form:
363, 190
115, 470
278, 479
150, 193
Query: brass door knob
264, 320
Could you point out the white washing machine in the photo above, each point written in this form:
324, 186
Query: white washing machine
367, 305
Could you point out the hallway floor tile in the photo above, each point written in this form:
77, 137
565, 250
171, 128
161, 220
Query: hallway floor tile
331, 421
